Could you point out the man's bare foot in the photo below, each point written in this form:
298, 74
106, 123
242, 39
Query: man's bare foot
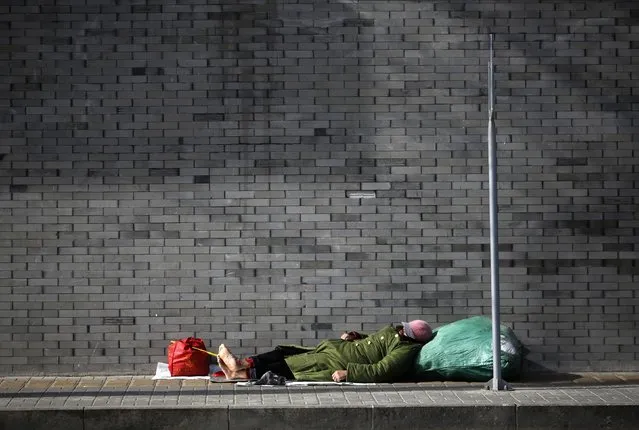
230, 375
225, 368
240, 374
231, 361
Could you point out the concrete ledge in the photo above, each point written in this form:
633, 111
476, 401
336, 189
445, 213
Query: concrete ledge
577, 417
42, 419
507, 417
501, 417
312, 418
156, 419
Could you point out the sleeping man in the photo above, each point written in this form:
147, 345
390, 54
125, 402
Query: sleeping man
384, 356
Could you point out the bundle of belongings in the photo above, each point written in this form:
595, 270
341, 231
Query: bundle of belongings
462, 351
188, 357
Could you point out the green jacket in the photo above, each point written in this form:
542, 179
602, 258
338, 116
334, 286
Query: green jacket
380, 357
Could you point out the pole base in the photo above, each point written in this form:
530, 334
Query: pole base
498, 385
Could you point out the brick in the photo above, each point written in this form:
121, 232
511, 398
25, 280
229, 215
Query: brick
185, 170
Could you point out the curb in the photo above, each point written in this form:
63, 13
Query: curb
506, 417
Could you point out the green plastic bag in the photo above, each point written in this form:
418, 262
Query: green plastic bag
462, 350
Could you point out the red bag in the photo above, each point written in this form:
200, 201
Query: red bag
186, 361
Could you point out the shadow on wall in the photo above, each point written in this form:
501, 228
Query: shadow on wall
592, 88
586, 97
300, 94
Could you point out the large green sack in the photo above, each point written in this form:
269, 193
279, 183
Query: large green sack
462, 350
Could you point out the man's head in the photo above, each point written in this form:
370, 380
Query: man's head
418, 330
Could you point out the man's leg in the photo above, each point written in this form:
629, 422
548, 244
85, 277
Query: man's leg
260, 364
277, 366
275, 361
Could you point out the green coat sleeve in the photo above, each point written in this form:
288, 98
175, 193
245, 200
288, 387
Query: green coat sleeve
391, 368
315, 376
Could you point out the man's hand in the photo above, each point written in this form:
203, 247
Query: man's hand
339, 375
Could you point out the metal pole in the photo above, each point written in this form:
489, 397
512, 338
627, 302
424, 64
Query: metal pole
497, 382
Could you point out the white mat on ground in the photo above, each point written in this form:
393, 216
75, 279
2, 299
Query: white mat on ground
303, 383
162, 372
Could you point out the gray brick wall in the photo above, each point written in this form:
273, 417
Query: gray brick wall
275, 171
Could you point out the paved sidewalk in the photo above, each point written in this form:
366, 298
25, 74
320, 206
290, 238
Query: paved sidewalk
95, 402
